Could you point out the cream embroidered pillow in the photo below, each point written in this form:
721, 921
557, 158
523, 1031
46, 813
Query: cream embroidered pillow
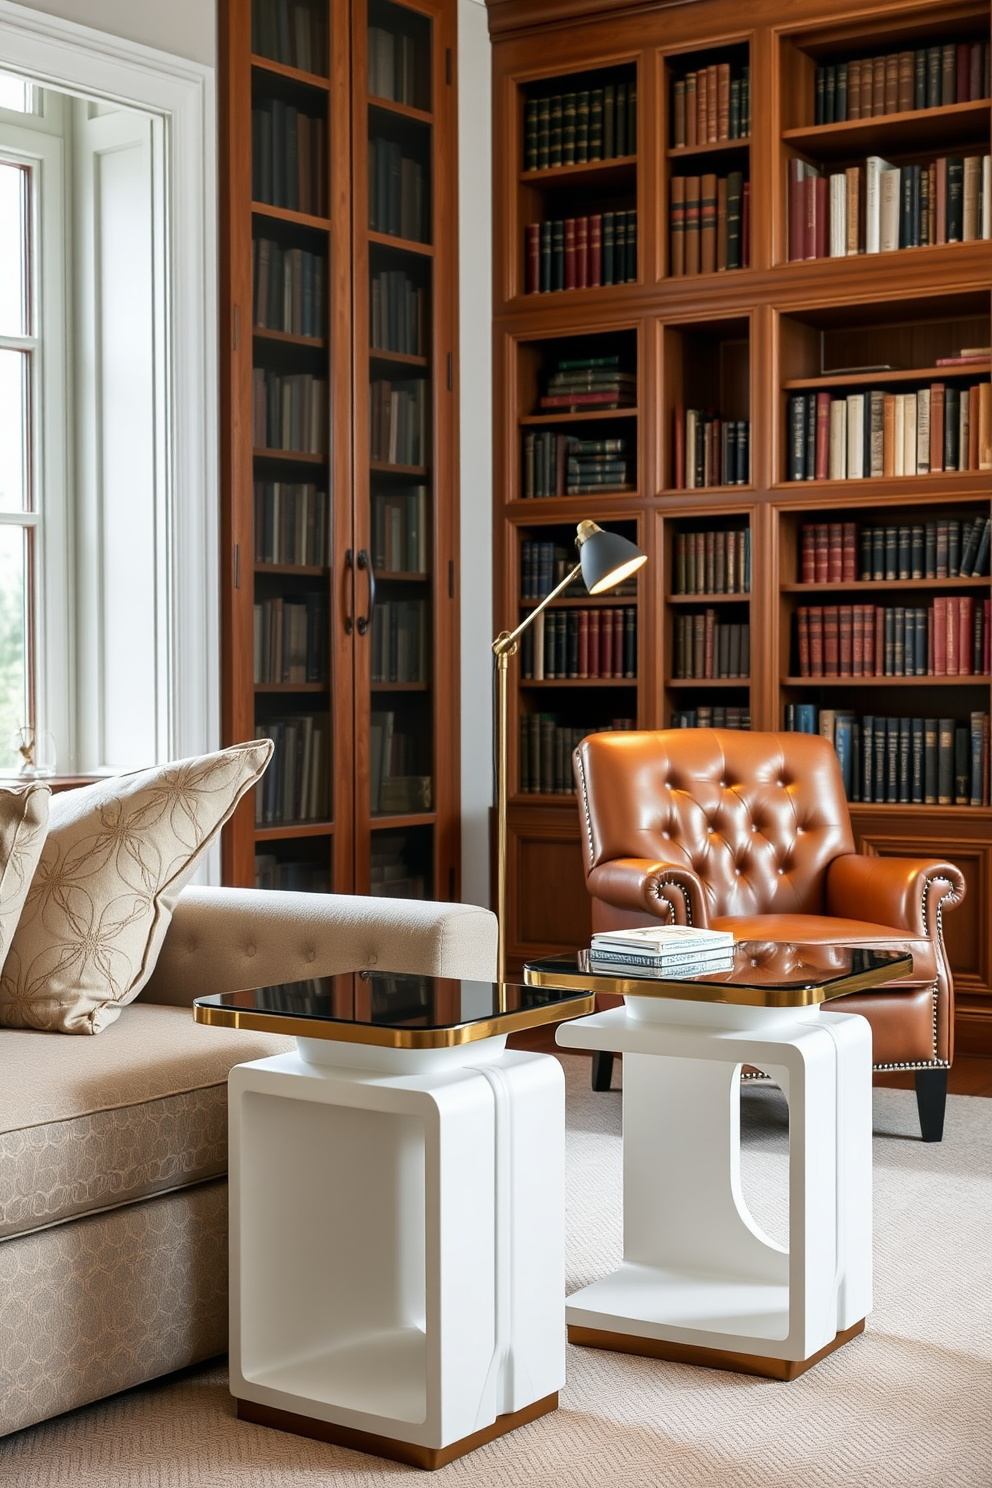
23, 819
117, 855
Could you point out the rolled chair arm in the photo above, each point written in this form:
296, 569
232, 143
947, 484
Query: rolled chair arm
222, 940
669, 891
908, 893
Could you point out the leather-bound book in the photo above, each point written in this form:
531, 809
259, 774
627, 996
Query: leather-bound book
892, 83
707, 224
676, 224
936, 426
692, 225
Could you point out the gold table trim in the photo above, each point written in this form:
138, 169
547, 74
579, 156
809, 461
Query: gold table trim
395, 1038
727, 993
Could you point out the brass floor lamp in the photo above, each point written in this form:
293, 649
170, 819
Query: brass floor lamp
605, 560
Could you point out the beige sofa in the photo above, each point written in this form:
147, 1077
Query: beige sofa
113, 1148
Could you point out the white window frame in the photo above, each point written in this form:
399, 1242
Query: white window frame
60, 54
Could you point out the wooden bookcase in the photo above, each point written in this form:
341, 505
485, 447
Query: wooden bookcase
339, 440
739, 343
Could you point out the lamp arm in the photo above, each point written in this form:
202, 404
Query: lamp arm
505, 642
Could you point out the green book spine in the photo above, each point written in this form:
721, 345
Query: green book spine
596, 124
554, 134
530, 134
582, 127
568, 129
543, 132
620, 121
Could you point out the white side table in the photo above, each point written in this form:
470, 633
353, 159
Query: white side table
699, 1281
397, 1232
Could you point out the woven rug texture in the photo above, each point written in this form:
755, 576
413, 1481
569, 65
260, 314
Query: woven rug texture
907, 1405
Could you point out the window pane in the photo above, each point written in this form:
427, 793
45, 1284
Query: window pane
13, 430
13, 249
13, 641
16, 94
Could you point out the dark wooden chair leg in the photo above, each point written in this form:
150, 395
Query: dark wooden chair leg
931, 1099
602, 1070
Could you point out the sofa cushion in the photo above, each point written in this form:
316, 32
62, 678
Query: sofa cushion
91, 1124
116, 857
23, 819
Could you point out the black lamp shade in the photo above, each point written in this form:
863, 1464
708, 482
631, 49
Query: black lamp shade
606, 558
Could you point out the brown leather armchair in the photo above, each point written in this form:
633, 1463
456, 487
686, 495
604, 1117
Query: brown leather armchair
750, 832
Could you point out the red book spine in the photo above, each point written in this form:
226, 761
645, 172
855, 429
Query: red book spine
858, 641
849, 552
936, 426
822, 435
583, 643
835, 552
879, 652
606, 643
822, 552
802, 618
617, 643
807, 559
963, 71
966, 625
679, 447
593, 662
596, 249
708, 643
581, 252
940, 636
816, 641
821, 188
533, 263
831, 640
869, 624
845, 629
797, 211
569, 252
809, 217
951, 636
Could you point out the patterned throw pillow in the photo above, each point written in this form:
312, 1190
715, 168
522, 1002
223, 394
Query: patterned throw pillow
23, 819
117, 855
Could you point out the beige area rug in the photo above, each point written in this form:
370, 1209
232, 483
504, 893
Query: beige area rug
905, 1406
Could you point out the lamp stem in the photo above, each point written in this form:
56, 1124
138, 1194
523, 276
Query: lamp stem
504, 647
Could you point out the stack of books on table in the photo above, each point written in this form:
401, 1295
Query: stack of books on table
665, 952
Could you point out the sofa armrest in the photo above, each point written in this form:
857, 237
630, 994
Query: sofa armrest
669, 891
222, 940
907, 893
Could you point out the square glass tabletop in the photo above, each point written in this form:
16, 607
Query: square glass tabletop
392, 1010
773, 974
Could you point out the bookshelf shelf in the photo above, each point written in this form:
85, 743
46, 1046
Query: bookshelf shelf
904, 134
736, 344
382, 115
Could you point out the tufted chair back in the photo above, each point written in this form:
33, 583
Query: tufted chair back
758, 818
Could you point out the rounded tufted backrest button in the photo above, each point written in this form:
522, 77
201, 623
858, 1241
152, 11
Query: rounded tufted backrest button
250, 948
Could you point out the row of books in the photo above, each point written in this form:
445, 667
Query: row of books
301, 875
394, 873
400, 532
901, 82
919, 761
400, 641
585, 384
598, 123
396, 785
710, 104
878, 433
710, 450
717, 715
709, 223
707, 647
393, 70
713, 562
948, 548
561, 465
398, 432
296, 785
291, 32
546, 748
580, 643
580, 252
543, 565
662, 952
948, 638
290, 523
878, 207
290, 287
400, 313
288, 157
291, 639
289, 412
399, 198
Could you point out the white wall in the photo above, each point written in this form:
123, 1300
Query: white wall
475, 358
184, 27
